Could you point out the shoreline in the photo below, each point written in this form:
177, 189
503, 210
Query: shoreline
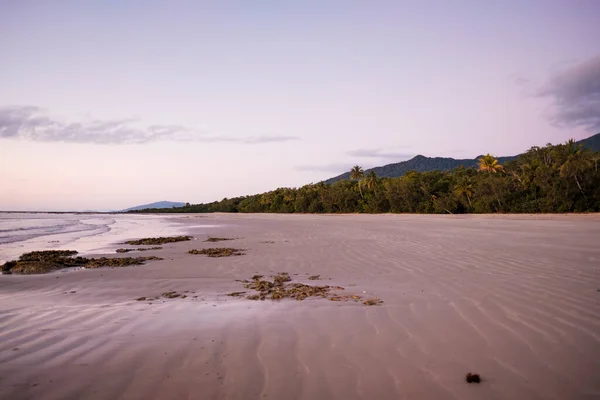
96, 234
291, 213
513, 299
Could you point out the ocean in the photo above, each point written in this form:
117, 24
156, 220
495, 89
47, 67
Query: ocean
86, 233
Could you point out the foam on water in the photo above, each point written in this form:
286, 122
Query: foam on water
86, 233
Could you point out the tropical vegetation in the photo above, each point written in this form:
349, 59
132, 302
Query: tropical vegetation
550, 179
421, 163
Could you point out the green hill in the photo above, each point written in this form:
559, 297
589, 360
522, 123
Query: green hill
423, 164
592, 143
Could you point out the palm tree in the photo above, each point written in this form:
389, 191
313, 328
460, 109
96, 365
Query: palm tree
464, 188
490, 164
371, 181
357, 174
574, 161
434, 199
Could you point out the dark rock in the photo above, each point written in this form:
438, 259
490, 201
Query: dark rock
472, 378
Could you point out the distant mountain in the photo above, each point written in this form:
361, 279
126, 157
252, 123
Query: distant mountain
423, 164
592, 143
158, 204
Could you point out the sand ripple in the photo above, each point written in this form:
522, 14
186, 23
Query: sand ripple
516, 300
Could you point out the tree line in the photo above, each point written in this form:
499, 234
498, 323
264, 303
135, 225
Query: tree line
550, 179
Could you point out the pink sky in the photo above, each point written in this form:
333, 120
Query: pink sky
107, 106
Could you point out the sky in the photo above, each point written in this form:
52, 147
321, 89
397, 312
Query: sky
111, 104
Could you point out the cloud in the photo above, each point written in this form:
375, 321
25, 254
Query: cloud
31, 123
575, 94
379, 153
269, 139
334, 168
519, 80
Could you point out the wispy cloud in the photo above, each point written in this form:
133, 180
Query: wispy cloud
269, 139
380, 153
32, 123
334, 167
519, 80
376, 156
575, 94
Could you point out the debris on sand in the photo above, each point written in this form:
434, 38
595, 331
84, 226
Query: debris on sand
314, 277
345, 297
41, 262
158, 240
374, 301
218, 252
472, 378
281, 278
171, 294
236, 294
138, 249
279, 288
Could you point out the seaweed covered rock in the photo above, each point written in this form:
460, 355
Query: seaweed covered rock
279, 288
41, 262
138, 249
281, 278
47, 255
218, 252
7, 266
118, 262
217, 239
158, 240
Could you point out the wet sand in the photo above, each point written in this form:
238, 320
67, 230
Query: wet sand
513, 298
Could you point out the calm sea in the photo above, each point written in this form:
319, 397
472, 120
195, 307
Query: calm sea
86, 233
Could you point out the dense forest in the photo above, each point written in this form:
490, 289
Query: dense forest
550, 179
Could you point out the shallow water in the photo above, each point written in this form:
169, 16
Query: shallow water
86, 233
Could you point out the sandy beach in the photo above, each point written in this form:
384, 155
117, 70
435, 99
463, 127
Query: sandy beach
513, 298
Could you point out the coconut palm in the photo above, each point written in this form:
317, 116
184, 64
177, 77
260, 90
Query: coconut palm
490, 164
574, 161
357, 174
464, 188
371, 181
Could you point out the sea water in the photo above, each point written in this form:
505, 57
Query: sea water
86, 233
